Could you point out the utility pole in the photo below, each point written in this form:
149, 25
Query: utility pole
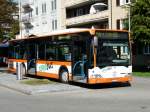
20, 18
111, 13
128, 7
129, 14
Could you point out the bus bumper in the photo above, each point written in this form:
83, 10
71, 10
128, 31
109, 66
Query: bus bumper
109, 80
12, 70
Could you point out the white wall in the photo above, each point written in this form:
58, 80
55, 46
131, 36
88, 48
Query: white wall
42, 23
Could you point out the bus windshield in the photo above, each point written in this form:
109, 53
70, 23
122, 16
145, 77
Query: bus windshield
113, 49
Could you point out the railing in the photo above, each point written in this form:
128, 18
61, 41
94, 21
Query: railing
26, 19
88, 18
27, 7
69, 3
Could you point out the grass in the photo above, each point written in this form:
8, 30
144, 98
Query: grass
142, 74
38, 82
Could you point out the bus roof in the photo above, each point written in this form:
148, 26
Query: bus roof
68, 31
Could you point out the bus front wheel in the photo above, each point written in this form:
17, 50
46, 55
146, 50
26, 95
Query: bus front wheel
64, 76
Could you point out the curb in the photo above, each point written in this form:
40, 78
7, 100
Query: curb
18, 90
13, 88
48, 90
9, 81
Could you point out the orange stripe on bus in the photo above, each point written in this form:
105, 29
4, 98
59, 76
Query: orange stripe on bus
109, 80
12, 70
17, 60
54, 62
50, 75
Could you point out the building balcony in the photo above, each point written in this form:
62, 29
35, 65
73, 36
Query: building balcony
69, 3
99, 16
26, 20
27, 7
28, 26
77, 3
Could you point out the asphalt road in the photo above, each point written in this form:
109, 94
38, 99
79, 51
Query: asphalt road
117, 99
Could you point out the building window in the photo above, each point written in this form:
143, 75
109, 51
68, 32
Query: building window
117, 2
122, 2
54, 24
146, 49
79, 12
122, 24
54, 4
125, 24
126, 1
118, 23
44, 8
30, 14
36, 10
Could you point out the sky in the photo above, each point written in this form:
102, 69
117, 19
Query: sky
17, 0
22, 1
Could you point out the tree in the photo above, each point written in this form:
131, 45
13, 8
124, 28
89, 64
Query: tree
140, 21
8, 10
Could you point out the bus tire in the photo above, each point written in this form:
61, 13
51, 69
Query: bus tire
23, 71
64, 76
128, 84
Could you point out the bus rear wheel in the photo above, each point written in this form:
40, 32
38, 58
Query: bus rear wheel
64, 76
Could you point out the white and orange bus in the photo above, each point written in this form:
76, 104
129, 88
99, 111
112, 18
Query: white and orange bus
88, 56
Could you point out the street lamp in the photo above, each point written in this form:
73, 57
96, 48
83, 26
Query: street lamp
93, 10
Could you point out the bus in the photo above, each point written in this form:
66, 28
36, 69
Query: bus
90, 56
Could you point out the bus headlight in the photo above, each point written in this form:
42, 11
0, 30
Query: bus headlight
128, 75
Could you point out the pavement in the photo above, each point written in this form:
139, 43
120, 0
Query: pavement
10, 81
134, 98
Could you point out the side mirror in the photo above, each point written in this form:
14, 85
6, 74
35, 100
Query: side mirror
95, 41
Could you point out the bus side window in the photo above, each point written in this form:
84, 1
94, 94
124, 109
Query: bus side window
64, 53
23, 53
41, 48
50, 52
17, 52
10, 52
31, 51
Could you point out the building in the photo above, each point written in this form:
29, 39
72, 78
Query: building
108, 13
38, 17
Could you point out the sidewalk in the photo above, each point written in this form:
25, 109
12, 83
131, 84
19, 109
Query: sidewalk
10, 81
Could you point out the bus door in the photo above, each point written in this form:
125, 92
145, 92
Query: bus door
79, 69
31, 60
